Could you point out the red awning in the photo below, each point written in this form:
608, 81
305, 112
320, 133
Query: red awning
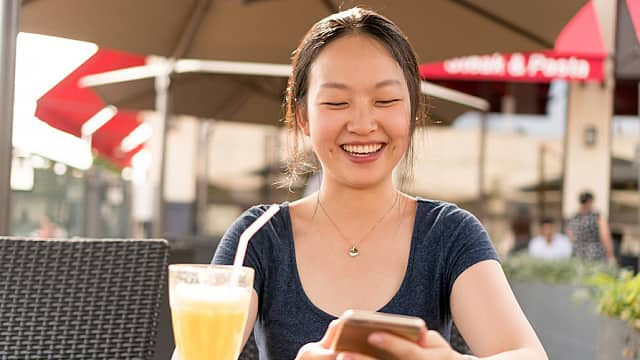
634, 11
578, 55
68, 107
582, 35
539, 67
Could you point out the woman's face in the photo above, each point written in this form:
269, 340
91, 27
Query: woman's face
357, 111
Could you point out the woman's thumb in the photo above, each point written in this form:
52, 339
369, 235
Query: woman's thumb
331, 332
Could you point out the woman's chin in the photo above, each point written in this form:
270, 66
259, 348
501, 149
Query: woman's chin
366, 181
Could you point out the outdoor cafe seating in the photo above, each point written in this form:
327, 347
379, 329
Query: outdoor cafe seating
80, 298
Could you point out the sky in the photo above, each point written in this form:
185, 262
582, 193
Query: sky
41, 62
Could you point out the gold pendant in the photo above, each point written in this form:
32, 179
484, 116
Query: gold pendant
353, 251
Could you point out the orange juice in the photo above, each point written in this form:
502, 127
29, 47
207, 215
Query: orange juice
209, 321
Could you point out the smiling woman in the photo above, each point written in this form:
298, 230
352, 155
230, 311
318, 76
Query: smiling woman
360, 243
379, 46
356, 110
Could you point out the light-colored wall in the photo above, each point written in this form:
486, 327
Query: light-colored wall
446, 164
181, 157
588, 168
606, 11
236, 151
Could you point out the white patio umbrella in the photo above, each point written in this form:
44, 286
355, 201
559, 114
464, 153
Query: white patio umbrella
267, 30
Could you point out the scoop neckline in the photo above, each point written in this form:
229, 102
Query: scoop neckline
298, 282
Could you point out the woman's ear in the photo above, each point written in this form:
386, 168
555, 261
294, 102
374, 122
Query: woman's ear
301, 118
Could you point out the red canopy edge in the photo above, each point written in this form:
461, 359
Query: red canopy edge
66, 106
578, 55
541, 67
582, 35
634, 11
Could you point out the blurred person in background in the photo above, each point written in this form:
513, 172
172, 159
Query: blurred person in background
521, 229
48, 230
549, 245
590, 232
24, 226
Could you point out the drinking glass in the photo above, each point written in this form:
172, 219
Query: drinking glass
209, 307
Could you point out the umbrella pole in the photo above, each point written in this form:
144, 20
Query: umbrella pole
541, 188
482, 165
638, 161
163, 107
163, 102
202, 181
8, 36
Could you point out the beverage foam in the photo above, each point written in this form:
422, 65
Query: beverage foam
199, 294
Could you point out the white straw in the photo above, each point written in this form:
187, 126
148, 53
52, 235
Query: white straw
248, 233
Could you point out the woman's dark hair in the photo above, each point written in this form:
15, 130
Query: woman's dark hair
546, 220
585, 197
353, 21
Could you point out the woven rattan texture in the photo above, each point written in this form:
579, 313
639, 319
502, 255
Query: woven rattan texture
250, 350
80, 299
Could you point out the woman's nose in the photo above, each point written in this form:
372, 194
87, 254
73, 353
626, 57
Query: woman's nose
362, 121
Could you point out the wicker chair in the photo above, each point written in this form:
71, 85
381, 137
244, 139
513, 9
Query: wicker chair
457, 341
80, 299
250, 350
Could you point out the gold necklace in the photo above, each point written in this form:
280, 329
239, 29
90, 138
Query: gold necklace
353, 249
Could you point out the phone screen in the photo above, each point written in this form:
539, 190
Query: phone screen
357, 326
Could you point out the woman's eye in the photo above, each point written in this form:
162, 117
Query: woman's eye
334, 104
387, 102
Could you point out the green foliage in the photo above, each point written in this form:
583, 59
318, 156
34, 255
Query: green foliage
554, 272
616, 292
104, 163
618, 296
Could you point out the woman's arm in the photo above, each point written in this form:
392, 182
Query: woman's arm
488, 315
605, 237
570, 234
251, 318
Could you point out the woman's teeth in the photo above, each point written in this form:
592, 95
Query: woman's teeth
361, 150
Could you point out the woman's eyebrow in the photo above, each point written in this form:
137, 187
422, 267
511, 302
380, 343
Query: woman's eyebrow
334, 85
342, 86
389, 82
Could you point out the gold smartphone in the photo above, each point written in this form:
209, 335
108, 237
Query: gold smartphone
357, 325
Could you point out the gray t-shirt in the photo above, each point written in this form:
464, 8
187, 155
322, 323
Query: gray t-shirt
446, 240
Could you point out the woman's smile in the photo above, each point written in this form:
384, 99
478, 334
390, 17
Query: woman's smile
363, 153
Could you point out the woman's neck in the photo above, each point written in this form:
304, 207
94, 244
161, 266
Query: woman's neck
549, 238
586, 210
354, 203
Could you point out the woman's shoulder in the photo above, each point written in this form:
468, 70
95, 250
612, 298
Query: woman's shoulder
445, 221
255, 211
439, 210
278, 222
266, 237
259, 209
586, 215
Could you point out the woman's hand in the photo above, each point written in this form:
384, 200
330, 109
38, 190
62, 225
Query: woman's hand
320, 350
430, 346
